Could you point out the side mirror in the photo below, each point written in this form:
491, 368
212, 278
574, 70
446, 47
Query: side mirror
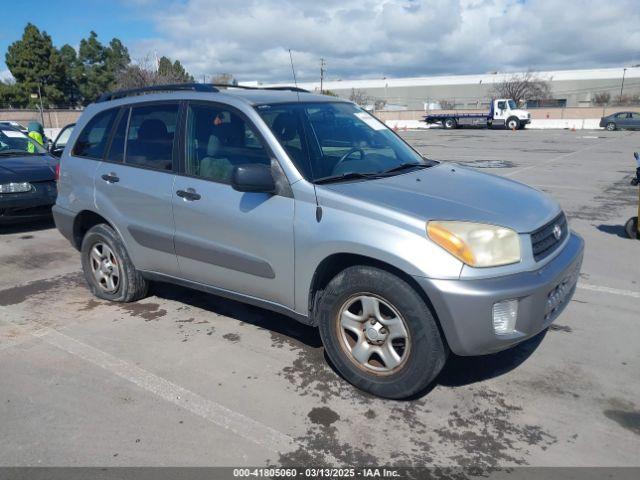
253, 177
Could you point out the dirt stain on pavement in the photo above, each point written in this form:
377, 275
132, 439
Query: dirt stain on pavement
323, 416
148, 311
560, 328
232, 337
20, 293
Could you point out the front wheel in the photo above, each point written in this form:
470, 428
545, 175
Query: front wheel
631, 228
513, 123
379, 333
611, 126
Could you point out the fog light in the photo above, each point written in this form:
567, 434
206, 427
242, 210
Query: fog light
505, 314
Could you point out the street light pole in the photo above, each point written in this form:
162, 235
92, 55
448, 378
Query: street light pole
322, 64
41, 107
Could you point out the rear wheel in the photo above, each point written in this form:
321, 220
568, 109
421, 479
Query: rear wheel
611, 126
107, 267
631, 228
379, 333
450, 123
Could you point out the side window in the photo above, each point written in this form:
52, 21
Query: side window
621, 116
92, 141
150, 136
217, 140
502, 105
635, 115
116, 150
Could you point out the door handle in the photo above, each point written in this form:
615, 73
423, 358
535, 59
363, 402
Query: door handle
189, 194
110, 178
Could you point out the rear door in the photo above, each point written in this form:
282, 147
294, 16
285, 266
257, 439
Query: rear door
135, 181
237, 241
634, 121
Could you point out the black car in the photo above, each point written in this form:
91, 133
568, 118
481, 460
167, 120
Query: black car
621, 120
27, 177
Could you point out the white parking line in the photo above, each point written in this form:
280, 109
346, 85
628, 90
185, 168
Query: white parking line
551, 160
244, 426
612, 291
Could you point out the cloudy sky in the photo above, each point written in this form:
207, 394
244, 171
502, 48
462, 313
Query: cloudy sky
357, 38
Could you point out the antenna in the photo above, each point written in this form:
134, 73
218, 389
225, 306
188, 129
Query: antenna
293, 71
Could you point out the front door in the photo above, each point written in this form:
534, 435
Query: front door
237, 241
500, 112
135, 181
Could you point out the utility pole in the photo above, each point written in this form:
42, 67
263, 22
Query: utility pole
322, 65
624, 71
41, 108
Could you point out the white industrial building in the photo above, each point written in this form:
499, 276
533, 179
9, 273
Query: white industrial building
569, 88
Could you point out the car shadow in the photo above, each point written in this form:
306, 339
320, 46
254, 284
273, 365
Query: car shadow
276, 323
25, 227
461, 371
458, 371
617, 230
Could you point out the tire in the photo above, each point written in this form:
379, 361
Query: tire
611, 126
450, 123
631, 228
419, 357
512, 123
103, 252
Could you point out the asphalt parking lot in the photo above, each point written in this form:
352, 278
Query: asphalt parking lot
184, 378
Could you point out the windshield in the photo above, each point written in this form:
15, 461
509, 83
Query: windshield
337, 139
512, 105
15, 142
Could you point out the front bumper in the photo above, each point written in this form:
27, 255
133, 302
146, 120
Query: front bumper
16, 207
525, 121
464, 307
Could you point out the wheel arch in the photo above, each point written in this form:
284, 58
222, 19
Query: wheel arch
83, 221
335, 263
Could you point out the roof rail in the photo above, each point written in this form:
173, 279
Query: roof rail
198, 87
247, 87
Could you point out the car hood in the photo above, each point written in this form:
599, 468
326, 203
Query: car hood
27, 168
450, 192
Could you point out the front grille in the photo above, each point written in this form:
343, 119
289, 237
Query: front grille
544, 241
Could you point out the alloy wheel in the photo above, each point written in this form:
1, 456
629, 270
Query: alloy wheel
105, 267
373, 334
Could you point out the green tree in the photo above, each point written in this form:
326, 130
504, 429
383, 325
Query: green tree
99, 66
172, 72
36, 65
69, 85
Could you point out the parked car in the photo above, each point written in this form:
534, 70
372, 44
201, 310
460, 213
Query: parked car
13, 124
309, 206
27, 177
57, 147
621, 120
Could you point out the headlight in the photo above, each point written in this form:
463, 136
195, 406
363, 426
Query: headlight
476, 244
15, 187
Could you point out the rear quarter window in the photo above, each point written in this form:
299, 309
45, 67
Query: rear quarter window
92, 141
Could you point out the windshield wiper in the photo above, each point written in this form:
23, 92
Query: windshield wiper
344, 176
404, 166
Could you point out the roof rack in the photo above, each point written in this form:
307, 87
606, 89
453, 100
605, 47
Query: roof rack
247, 87
197, 87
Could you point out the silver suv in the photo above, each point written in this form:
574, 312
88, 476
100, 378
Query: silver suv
309, 206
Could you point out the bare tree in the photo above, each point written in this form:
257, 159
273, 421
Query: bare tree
602, 98
224, 79
144, 73
360, 97
523, 87
447, 104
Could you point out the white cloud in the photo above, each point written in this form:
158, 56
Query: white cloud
366, 38
5, 75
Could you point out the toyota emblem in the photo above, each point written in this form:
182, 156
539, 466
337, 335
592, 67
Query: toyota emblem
557, 232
